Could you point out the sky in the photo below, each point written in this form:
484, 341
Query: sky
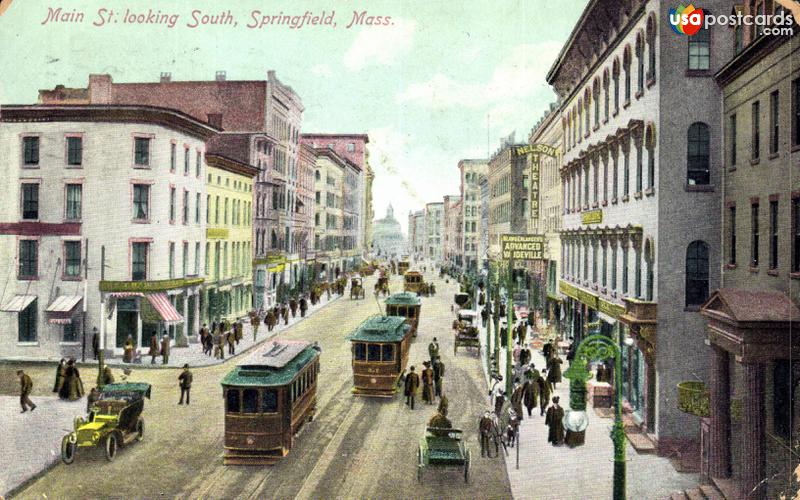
443, 81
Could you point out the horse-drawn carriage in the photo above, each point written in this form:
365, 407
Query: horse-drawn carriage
466, 330
441, 447
114, 420
382, 286
356, 288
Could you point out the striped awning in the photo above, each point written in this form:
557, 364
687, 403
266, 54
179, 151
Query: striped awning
18, 303
122, 295
59, 321
166, 310
64, 304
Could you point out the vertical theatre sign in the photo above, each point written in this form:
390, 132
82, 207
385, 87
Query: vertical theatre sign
536, 151
522, 247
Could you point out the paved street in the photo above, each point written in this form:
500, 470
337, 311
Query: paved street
354, 448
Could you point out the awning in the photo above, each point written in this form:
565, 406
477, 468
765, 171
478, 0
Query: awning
224, 288
59, 321
122, 295
18, 303
64, 304
164, 307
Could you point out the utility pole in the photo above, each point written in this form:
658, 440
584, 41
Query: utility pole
101, 344
509, 330
496, 314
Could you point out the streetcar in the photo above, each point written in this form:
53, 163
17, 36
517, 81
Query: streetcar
405, 304
413, 281
267, 400
380, 355
402, 267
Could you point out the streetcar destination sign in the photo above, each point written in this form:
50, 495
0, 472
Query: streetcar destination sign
522, 246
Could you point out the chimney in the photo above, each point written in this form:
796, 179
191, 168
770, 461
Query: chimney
100, 89
166, 77
220, 76
271, 75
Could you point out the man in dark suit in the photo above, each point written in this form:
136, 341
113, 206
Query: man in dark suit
185, 381
25, 389
412, 384
554, 420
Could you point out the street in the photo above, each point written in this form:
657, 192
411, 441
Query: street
354, 448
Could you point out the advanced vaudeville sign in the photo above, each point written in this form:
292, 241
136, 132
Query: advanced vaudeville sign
522, 246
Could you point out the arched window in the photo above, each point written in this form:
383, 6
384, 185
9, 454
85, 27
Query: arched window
648, 266
651, 49
605, 96
587, 97
696, 273
626, 66
700, 49
274, 242
698, 167
615, 76
650, 145
317, 174
639, 64
596, 98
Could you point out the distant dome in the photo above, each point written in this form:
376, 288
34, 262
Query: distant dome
387, 235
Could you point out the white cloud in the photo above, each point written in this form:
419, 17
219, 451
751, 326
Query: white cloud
380, 45
322, 70
519, 75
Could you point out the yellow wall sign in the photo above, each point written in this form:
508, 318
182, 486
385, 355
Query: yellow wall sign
537, 148
592, 217
522, 246
217, 233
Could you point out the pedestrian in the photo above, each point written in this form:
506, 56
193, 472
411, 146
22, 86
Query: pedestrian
553, 420
571, 350
515, 353
484, 316
516, 398
72, 389
127, 356
107, 377
25, 388
412, 384
204, 338
433, 349
254, 323
285, 312
154, 350
92, 398
303, 307
293, 306
544, 392
485, 428
95, 342
231, 336
438, 374
185, 382
499, 401
512, 429
238, 331
530, 390
522, 332
554, 371
524, 356
165, 349
427, 383
60, 372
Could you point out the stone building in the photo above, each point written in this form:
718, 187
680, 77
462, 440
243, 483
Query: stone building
388, 239
753, 428
452, 238
471, 172
416, 234
508, 195
434, 231
642, 180
329, 230
109, 231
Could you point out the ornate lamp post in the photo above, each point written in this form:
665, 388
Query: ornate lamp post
598, 347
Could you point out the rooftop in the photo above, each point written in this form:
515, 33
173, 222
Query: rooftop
381, 329
276, 364
404, 298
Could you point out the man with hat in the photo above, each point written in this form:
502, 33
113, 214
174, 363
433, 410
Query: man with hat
427, 383
412, 383
25, 389
554, 420
185, 381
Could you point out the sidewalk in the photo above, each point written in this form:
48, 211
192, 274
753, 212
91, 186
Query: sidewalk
193, 354
32, 440
585, 472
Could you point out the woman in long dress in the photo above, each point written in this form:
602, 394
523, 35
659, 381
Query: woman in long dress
127, 356
60, 369
73, 385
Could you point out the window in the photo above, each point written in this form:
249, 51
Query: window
626, 63
141, 151
360, 351
74, 193
250, 401
774, 128
197, 259
208, 207
637, 273
615, 77
216, 211
650, 144
596, 98
387, 352
625, 268
651, 48
185, 215
141, 202
269, 401
72, 259
698, 170
197, 208
732, 131
172, 204
732, 235
28, 259
171, 260
773, 234
614, 266
640, 65
185, 260
351, 147
755, 152
70, 332
26, 323
699, 50
74, 150
796, 235
173, 153
796, 112
603, 280
696, 273
605, 178
626, 171
594, 262
639, 160
232, 401
197, 163
30, 201
225, 213
615, 175
30, 150
185, 161
754, 235
139, 261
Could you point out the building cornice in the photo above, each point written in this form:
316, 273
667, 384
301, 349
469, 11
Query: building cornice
231, 165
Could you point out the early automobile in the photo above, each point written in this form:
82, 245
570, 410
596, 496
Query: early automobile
413, 282
356, 288
443, 447
405, 304
114, 420
466, 333
267, 399
380, 355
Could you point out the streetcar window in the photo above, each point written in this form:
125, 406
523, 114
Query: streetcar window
250, 401
269, 401
388, 352
374, 352
232, 401
360, 351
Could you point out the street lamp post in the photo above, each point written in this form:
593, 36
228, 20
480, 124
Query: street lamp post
509, 328
598, 347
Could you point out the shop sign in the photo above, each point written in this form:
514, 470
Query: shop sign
592, 217
217, 233
535, 151
521, 247
148, 286
578, 294
613, 310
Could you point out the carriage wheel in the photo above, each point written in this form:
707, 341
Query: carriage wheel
140, 429
111, 447
67, 450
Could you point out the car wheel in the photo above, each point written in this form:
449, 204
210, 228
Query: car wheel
67, 450
111, 447
140, 429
